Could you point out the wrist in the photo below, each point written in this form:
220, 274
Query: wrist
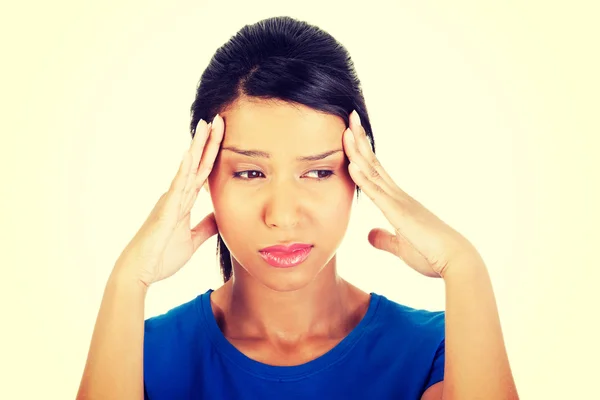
127, 277
466, 268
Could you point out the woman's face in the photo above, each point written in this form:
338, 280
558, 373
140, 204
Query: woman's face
270, 195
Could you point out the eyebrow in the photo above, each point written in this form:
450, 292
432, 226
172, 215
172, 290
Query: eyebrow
262, 154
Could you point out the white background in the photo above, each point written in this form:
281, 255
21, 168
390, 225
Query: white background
485, 113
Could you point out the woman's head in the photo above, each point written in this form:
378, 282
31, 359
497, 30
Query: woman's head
284, 89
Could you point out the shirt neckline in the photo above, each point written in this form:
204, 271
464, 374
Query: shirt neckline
276, 372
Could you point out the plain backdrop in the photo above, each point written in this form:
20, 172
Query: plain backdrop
485, 112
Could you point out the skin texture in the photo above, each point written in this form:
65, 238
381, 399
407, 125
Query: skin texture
283, 316
288, 317
287, 304
476, 364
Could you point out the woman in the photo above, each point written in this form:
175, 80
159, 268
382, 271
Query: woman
289, 144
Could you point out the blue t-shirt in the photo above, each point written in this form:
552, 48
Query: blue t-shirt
395, 352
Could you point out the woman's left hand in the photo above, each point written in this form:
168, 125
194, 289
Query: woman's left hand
421, 240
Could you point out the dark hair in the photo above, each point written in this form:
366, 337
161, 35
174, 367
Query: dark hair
285, 59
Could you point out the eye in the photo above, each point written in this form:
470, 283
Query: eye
319, 174
322, 174
251, 174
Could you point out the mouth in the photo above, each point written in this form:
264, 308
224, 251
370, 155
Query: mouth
286, 256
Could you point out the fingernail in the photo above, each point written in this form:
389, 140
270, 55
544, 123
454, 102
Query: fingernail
356, 117
214, 119
350, 135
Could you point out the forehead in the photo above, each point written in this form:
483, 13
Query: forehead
277, 125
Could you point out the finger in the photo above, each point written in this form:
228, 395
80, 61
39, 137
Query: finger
180, 179
364, 149
176, 189
376, 193
400, 213
204, 230
211, 151
196, 149
200, 138
398, 245
382, 239
355, 157
209, 154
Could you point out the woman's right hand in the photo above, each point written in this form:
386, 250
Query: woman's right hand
166, 241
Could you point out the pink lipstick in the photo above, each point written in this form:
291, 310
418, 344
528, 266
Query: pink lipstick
286, 256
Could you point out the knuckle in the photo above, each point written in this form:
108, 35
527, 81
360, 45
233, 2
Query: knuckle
163, 199
375, 161
373, 173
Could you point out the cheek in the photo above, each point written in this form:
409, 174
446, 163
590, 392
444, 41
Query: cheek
335, 206
231, 214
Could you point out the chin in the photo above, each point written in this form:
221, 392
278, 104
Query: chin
287, 279
288, 283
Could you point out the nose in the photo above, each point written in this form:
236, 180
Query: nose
282, 206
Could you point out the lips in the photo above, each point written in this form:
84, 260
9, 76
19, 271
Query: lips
286, 256
286, 249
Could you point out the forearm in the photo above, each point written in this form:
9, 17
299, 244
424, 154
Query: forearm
114, 367
476, 365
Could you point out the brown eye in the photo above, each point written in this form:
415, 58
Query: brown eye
252, 174
322, 174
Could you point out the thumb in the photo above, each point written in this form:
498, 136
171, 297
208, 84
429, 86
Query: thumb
384, 240
204, 230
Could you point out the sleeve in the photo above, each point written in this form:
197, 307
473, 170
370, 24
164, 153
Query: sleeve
436, 373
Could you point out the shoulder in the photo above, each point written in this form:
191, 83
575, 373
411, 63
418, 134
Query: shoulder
171, 342
417, 320
410, 342
170, 337
179, 319
416, 331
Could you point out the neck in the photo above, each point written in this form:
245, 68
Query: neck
328, 307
